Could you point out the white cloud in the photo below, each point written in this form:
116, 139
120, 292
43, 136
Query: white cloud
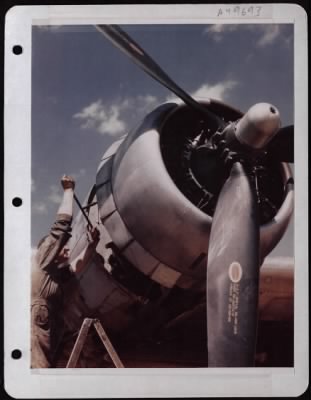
269, 34
218, 31
104, 119
216, 28
91, 114
39, 207
79, 174
112, 124
173, 98
147, 101
219, 91
112, 119
143, 104
55, 194
33, 185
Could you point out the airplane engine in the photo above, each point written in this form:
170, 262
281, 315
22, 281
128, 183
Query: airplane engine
158, 188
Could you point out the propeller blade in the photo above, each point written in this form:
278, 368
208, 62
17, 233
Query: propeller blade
281, 147
126, 44
233, 275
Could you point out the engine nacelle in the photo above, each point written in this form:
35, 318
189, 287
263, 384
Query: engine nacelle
153, 198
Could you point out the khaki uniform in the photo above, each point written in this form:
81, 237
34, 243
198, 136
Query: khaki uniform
47, 292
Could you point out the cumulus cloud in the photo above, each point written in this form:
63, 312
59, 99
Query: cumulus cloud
39, 207
112, 124
112, 119
79, 174
217, 31
104, 119
145, 102
220, 91
267, 34
33, 185
55, 195
142, 104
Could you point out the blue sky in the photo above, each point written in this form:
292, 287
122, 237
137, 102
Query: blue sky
86, 93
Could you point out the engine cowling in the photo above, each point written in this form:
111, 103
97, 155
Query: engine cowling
156, 200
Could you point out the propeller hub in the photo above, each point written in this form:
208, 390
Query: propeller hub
258, 126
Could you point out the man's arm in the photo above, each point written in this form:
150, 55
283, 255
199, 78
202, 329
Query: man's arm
60, 230
66, 205
82, 260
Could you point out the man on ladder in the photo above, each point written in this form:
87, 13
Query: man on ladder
49, 275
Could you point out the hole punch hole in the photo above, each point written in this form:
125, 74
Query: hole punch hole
17, 202
16, 354
17, 49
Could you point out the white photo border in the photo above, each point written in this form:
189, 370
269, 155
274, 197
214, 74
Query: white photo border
20, 381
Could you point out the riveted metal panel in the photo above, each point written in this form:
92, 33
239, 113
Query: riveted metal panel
156, 213
165, 275
117, 230
106, 204
108, 207
140, 258
103, 173
96, 285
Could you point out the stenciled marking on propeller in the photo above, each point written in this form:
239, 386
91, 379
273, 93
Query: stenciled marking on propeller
235, 273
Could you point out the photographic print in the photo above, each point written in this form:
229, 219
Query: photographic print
179, 184
160, 201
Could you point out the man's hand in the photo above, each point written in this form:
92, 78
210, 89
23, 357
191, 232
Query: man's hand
67, 182
88, 251
94, 235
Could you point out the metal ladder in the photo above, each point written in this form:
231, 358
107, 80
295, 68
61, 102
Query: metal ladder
77, 348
